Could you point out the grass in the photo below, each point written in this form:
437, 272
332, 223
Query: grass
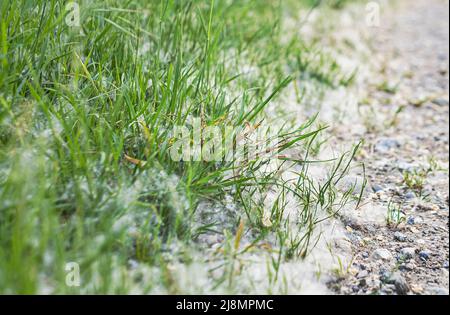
86, 115
395, 215
415, 179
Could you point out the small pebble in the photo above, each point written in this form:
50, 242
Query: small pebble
384, 275
414, 220
401, 286
407, 267
440, 102
399, 282
382, 254
400, 237
410, 195
388, 289
362, 274
408, 252
410, 266
363, 282
424, 255
377, 188
387, 144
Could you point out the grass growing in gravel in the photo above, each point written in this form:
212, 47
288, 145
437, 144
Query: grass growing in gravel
86, 115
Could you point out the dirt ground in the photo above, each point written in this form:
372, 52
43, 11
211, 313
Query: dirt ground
402, 114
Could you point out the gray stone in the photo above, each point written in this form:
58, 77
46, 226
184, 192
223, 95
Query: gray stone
440, 101
414, 220
418, 220
387, 144
388, 289
401, 286
362, 282
384, 275
410, 195
362, 274
424, 255
377, 188
408, 252
410, 266
382, 254
400, 237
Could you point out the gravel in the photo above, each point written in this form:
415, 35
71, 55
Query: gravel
420, 133
397, 279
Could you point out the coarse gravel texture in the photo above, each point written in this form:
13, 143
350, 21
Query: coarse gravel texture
402, 115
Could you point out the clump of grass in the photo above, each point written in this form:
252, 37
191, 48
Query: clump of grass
395, 215
86, 114
388, 87
415, 179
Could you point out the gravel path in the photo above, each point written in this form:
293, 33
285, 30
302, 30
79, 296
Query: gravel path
404, 121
